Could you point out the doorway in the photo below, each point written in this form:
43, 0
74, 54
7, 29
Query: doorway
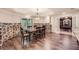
66, 24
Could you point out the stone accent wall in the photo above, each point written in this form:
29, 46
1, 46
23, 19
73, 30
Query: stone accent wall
8, 31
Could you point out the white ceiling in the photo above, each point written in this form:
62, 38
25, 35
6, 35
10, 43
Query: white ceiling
46, 11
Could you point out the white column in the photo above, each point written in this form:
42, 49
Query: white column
55, 24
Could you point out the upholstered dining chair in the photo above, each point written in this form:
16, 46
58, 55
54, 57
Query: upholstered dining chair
24, 38
38, 32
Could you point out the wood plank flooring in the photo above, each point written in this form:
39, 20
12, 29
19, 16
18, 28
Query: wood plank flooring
52, 41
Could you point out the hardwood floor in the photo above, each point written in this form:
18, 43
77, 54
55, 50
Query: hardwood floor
52, 41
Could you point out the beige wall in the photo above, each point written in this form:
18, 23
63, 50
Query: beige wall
77, 21
55, 24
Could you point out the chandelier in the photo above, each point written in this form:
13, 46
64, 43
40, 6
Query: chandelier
37, 14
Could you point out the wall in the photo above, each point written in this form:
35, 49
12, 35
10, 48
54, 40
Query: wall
8, 31
55, 24
77, 21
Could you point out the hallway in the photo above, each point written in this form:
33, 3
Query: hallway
52, 41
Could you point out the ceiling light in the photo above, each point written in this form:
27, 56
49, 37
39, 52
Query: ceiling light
40, 9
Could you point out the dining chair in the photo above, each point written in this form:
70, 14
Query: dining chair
24, 38
38, 32
43, 31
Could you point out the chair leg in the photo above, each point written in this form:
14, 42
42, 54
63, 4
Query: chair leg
22, 43
27, 41
22, 40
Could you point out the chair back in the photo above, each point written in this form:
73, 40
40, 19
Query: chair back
22, 34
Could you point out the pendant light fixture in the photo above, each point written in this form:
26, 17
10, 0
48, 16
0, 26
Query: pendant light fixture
37, 14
